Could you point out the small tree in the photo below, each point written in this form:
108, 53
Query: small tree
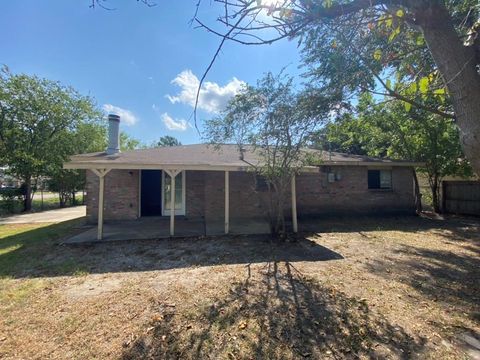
9, 198
166, 140
270, 119
67, 183
128, 142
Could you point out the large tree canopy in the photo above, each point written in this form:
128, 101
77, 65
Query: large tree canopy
386, 130
41, 123
410, 50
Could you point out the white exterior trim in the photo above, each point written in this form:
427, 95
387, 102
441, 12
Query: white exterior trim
183, 211
227, 202
308, 169
93, 165
101, 189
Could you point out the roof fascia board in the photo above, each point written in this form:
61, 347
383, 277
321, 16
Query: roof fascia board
371, 163
90, 165
85, 165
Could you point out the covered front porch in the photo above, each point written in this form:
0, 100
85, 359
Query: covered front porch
148, 228
172, 194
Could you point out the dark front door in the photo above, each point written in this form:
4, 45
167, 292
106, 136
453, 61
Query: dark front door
151, 193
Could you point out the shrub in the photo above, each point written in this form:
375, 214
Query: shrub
9, 197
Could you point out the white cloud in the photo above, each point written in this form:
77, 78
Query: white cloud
213, 97
126, 116
174, 124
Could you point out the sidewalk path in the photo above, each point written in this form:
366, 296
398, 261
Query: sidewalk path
50, 216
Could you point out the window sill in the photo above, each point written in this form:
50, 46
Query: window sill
381, 190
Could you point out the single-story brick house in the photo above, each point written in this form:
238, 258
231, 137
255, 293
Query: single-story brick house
217, 183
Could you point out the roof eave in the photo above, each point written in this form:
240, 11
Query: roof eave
141, 166
219, 167
374, 163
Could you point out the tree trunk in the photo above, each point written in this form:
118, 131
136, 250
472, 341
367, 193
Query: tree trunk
418, 195
271, 210
27, 196
435, 199
62, 199
457, 63
434, 185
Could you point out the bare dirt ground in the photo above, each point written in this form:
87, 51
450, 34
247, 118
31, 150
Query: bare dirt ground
393, 288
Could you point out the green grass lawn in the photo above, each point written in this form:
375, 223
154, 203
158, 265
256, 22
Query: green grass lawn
49, 203
24, 252
24, 248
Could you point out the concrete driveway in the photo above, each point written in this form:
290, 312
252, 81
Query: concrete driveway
50, 216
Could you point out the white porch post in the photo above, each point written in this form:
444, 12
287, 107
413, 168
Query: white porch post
227, 202
101, 189
294, 205
173, 174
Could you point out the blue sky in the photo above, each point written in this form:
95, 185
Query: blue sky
142, 62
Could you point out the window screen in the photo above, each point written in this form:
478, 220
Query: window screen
260, 183
385, 179
379, 179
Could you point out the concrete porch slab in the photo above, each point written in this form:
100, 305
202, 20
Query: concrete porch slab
148, 228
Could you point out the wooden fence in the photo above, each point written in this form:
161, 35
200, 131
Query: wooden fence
461, 197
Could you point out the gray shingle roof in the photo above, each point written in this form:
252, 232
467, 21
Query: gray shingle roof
203, 155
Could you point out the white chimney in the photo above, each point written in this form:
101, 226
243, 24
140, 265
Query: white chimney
113, 134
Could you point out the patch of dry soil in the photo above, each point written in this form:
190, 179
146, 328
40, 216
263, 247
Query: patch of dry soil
403, 288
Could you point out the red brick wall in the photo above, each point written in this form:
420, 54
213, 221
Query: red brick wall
315, 195
120, 197
350, 194
205, 195
195, 193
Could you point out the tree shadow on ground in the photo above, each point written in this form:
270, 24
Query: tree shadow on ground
463, 227
24, 251
275, 313
40, 253
440, 275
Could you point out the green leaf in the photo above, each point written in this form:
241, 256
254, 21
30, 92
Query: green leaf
423, 84
407, 105
394, 34
389, 84
400, 13
440, 94
412, 89
389, 21
420, 40
381, 20
327, 3
377, 55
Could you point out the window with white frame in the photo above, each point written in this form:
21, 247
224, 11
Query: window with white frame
379, 179
179, 193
